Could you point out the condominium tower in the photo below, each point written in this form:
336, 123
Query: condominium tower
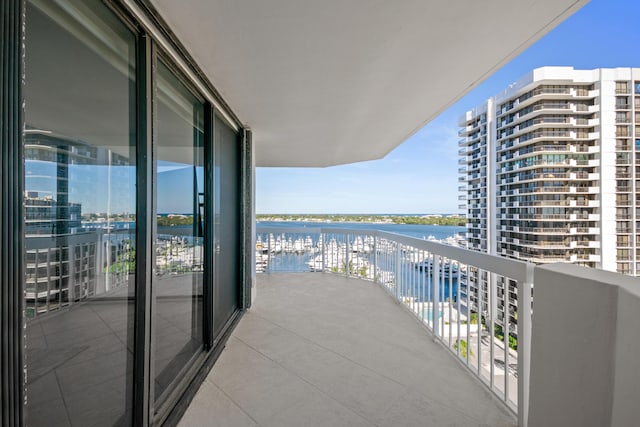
550, 172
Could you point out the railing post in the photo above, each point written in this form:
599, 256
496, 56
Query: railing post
375, 259
396, 273
524, 345
492, 306
346, 255
323, 238
266, 270
435, 294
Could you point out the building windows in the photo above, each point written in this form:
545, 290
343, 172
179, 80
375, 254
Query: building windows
622, 102
622, 131
622, 87
623, 117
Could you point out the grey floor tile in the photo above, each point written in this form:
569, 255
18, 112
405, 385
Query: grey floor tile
43, 390
102, 404
258, 385
86, 376
316, 410
321, 349
51, 413
211, 407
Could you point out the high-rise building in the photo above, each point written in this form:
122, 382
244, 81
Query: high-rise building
549, 169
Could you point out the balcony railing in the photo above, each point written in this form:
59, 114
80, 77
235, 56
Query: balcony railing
455, 293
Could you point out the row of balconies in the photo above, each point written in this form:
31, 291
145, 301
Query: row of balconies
550, 244
560, 106
536, 203
546, 163
554, 177
528, 113
557, 217
552, 230
473, 163
479, 139
542, 135
559, 119
542, 191
522, 151
539, 126
550, 257
545, 93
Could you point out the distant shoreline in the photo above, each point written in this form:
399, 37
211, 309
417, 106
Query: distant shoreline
451, 220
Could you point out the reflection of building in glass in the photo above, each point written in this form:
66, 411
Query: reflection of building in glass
68, 260
42, 215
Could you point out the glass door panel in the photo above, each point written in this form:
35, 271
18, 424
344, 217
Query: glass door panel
227, 185
80, 172
177, 282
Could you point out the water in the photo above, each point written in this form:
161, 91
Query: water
419, 231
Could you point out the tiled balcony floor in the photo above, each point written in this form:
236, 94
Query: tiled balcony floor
323, 350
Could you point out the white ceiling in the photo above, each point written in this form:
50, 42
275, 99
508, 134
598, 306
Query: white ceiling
339, 81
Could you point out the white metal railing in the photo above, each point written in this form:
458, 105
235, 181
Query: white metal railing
461, 296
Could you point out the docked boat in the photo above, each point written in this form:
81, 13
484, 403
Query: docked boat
446, 266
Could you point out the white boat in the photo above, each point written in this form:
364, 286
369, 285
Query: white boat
298, 246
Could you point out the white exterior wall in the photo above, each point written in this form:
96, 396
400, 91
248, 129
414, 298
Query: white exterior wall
607, 87
588, 375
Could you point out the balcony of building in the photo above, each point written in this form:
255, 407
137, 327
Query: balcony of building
322, 349
357, 327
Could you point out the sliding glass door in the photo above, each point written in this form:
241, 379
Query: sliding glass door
179, 229
132, 220
227, 185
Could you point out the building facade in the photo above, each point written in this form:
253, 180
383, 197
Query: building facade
550, 169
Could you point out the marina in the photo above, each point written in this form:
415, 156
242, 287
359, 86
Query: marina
302, 248
302, 245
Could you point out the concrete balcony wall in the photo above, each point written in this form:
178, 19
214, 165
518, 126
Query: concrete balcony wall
585, 368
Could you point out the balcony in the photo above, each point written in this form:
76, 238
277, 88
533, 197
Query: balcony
378, 336
324, 349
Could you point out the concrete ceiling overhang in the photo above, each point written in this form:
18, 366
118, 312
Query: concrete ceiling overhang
329, 82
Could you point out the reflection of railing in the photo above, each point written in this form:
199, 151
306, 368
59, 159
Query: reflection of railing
461, 300
64, 269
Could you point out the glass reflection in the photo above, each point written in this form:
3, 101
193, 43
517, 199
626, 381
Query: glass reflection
178, 279
80, 214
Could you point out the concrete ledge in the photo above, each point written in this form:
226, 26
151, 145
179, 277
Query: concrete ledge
584, 364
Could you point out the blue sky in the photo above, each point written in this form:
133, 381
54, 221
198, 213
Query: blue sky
421, 175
